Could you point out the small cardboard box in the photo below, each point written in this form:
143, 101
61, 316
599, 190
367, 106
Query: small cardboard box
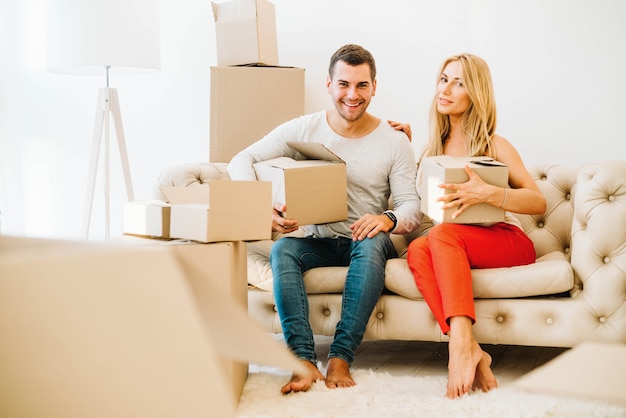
245, 32
314, 190
245, 106
446, 169
221, 210
150, 218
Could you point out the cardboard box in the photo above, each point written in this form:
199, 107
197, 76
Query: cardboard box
119, 332
248, 102
245, 31
149, 218
592, 370
314, 190
445, 169
221, 210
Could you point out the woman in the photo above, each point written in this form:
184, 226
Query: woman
462, 124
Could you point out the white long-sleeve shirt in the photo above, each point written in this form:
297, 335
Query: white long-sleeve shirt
378, 165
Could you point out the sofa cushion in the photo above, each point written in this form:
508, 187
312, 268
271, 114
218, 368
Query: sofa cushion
260, 272
550, 274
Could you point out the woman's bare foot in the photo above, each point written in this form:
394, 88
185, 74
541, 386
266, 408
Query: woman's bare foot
302, 383
338, 374
462, 364
468, 365
484, 380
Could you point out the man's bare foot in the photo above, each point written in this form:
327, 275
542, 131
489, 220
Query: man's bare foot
302, 383
484, 380
338, 374
465, 355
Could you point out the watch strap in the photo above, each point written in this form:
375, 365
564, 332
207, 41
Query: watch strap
392, 217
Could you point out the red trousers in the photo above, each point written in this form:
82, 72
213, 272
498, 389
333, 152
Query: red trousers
441, 263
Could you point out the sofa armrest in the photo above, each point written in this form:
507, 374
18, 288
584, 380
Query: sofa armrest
598, 237
189, 175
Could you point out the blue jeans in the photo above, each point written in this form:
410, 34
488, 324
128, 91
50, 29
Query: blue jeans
291, 257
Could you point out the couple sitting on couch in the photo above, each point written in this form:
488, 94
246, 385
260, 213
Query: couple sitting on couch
380, 163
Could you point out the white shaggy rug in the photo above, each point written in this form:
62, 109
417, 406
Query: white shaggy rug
379, 394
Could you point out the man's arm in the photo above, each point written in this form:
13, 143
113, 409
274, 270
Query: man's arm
272, 145
406, 202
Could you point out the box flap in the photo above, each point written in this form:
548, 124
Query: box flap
232, 11
229, 195
460, 162
280, 162
178, 195
147, 202
314, 151
220, 194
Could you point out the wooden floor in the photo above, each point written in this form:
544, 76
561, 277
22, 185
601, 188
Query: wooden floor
417, 358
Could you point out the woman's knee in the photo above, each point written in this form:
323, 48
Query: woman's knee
446, 233
418, 249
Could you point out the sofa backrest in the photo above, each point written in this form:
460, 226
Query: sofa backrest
552, 230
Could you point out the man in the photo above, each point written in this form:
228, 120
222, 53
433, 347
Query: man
379, 162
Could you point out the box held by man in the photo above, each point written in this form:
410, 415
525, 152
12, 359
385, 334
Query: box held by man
314, 190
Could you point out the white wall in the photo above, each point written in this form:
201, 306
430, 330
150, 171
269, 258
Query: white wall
557, 67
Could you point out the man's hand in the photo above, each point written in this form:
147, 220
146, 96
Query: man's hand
370, 225
404, 127
280, 224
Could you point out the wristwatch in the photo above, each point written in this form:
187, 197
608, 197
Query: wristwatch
392, 217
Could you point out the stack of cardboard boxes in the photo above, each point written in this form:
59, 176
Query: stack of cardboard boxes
250, 93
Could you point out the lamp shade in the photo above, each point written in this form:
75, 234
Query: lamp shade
86, 37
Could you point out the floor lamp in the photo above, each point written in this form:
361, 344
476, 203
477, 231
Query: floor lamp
103, 38
107, 109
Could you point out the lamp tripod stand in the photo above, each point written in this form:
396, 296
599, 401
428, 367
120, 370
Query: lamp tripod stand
108, 107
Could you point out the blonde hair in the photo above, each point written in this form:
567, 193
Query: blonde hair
479, 120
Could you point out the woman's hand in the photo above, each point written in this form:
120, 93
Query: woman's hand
404, 127
473, 191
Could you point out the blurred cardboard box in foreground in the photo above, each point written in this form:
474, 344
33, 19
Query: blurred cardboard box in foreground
101, 330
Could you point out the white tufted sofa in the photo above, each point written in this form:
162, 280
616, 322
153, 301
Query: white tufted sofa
575, 292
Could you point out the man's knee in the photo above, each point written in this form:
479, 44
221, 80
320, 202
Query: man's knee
284, 246
378, 246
